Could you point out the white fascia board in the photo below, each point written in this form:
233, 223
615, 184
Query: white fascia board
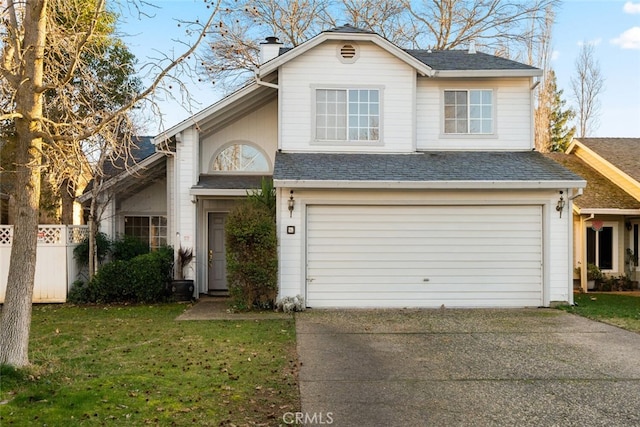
487, 73
431, 185
198, 117
394, 50
608, 211
126, 174
217, 192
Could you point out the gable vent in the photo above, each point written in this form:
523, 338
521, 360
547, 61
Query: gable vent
348, 51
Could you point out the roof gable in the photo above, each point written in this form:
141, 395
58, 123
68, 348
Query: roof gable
618, 159
442, 63
623, 153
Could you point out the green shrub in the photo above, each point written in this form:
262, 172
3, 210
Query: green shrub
128, 247
143, 279
81, 252
252, 260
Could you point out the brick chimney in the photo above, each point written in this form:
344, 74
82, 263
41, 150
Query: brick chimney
269, 49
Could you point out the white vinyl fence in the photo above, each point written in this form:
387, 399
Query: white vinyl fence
56, 270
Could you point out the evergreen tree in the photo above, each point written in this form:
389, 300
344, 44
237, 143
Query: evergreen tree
561, 134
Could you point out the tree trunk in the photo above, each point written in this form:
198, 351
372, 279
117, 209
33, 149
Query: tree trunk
16, 313
67, 200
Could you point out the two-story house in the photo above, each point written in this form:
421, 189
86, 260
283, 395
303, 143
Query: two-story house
404, 178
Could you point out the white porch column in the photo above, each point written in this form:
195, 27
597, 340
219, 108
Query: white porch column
186, 171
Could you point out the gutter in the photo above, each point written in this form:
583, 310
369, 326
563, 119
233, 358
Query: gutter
436, 185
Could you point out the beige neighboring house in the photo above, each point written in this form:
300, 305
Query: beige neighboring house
606, 217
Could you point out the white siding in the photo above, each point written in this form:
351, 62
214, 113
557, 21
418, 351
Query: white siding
151, 200
556, 272
321, 67
260, 128
513, 112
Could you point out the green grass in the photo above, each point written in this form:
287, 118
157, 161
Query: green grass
136, 365
618, 310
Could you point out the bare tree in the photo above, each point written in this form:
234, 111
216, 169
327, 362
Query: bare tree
506, 27
42, 51
586, 86
388, 18
498, 25
235, 43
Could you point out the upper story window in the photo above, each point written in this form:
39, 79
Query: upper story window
347, 115
468, 111
240, 158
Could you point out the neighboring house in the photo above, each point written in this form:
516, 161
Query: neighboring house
404, 178
607, 215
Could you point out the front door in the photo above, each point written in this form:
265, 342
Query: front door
216, 254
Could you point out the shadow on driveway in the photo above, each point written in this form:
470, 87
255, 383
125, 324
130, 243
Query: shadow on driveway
532, 367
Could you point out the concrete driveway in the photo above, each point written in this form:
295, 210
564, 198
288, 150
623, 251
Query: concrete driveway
537, 367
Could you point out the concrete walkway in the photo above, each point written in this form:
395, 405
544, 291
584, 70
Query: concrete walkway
466, 368
217, 308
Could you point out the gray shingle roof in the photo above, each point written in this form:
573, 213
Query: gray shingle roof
420, 167
623, 153
600, 193
462, 60
229, 182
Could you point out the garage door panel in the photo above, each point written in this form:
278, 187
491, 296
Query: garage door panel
370, 255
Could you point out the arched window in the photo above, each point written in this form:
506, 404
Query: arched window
240, 158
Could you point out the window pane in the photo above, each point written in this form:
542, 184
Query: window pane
487, 97
449, 97
475, 126
461, 126
363, 113
353, 96
474, 112
487, 112
373, 108
487, 126
353, 133
475, 97
461, 97
450, 126
373, 96
364, 96
605, 248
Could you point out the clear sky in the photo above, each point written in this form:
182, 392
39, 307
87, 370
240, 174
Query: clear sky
613, 26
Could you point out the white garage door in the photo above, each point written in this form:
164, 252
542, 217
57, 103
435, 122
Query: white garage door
424, 256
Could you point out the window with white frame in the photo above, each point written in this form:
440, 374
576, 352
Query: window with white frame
240, 158
347, 115
602, 246
151, 230
468, 111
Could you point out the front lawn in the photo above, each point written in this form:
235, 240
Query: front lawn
136, 365
618, 310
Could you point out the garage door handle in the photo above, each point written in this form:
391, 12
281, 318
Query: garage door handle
426, 279
310, 279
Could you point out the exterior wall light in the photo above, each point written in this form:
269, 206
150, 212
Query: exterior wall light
560, 205
291, 204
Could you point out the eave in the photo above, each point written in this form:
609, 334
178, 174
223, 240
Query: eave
431, 185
